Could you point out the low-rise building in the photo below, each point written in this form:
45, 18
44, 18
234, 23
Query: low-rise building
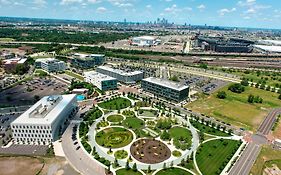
165, 89
145, 41
87, 60
103, 82
44, 121
10, 65
120, 75
50, 64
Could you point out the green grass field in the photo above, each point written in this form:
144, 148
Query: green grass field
235, 109
115, 104
79, 77
266, 158
115, 118
173, 171
181, 137
212, 156
7, 39
133, 123
127, 172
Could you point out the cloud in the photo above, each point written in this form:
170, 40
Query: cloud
101, 10
67, 2
121, 3
201, 7
94, 1
222, 12
40, 3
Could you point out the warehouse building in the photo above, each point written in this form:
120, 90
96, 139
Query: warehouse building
145, 41
120, 75
87, 61
50, 64
44, 121
103, 82
165, 89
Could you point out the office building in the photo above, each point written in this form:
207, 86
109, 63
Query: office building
87, 61
43, 122
50, 64
11, 64
103, 82
165, 89
120, 75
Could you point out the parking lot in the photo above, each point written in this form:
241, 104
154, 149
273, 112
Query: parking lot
29, 92
5, 129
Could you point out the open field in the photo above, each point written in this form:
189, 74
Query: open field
79, 77
7, 39
235, 109
214, 155
267, 157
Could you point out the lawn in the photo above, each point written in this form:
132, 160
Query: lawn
79, 77
208, 129
133, 123
127, 172
115, 118
114, 137
267, 157
173, 171
121, 154
181, 137
115, 104
235, 109
212, 156
148, 113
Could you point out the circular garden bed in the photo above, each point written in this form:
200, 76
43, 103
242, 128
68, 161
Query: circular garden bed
150, 151
173, 171
114, 137
120, 154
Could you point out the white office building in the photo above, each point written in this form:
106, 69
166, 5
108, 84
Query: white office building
44, 121
145, 41
120, 75
50, 64
103, 82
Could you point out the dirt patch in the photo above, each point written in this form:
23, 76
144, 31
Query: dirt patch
150, 151
20, 165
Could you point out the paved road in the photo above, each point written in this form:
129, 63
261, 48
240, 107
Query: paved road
78, 158
247, 159
269, 121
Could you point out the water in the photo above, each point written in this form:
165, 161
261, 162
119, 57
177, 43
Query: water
80, 97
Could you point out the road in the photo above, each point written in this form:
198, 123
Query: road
248, 157
80, 160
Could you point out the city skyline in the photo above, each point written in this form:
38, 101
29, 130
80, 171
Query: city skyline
236, 13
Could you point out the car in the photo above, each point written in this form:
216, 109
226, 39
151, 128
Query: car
75, 143
78, 148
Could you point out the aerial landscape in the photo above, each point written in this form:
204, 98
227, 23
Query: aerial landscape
139, 87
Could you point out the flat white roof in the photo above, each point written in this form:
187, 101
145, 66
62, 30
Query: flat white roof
45, 111
98, 76
120, 72
15, 60
145, 38
166, 83
275, 42
269, 48
82, 55
47, 60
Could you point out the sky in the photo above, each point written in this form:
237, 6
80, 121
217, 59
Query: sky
233, 13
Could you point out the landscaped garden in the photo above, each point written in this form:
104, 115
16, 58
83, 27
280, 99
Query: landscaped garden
127, 172
148, 112
213, 156
133, 123
114, 137
115, 104
121, 154
181, 137
115, 118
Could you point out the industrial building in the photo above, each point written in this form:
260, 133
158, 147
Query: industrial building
165, 89
103, 82
220, 44
44, 121
145, 41
86, 61
120, 75
50, 64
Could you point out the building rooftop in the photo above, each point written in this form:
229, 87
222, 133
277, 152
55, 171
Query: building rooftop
166, 83
120, 72
98, 76
16, 60
45, 111
276, 49
145, 37
47, 60
87, 56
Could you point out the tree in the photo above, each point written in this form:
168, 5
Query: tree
149, 169
165, 136
221, 95
236, 88
279, 97
127, 165
203, 66
251, 98
164, 166
36, 98
135, 167
245, 82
